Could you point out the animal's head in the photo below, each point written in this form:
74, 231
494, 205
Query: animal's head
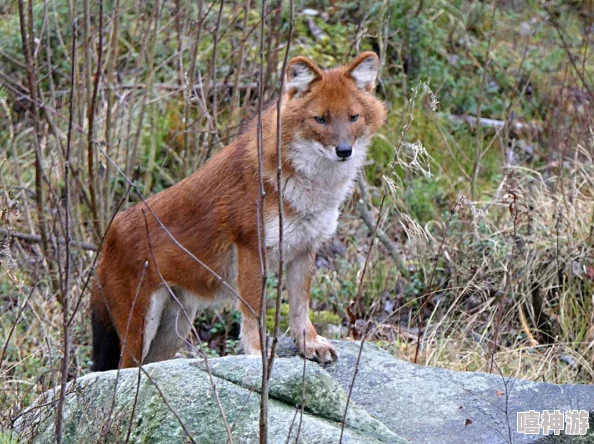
330, 115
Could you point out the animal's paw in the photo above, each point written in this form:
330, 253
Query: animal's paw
319, 349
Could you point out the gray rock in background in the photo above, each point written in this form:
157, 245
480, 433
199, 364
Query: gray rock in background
392, 401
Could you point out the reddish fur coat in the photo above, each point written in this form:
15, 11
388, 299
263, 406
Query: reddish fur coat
212, 213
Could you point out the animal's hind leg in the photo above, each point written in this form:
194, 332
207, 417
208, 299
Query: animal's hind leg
137, 321
106, 342
176, 322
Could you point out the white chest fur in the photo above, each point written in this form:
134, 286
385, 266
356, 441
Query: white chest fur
300, 232
315, 194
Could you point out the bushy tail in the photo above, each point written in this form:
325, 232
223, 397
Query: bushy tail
106, 342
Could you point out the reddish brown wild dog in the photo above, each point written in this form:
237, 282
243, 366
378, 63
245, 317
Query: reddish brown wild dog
328, 118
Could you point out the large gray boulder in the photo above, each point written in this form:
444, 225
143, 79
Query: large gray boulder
432, 405
392, 401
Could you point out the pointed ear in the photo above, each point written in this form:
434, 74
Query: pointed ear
301, 73
363, 70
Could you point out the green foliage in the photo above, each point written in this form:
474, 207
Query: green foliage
8, 438
382, 153
320, 318
421, 197
469, 58
57, 30
284, 318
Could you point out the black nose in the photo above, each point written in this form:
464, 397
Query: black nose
343, 150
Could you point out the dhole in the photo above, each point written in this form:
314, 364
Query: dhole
328, 118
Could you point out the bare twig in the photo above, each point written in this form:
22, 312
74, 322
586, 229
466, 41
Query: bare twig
129, 432
157, 7
66, 276
88, 279
235, 108
261, 230
91, 119
37, 239
518, 127
247, 399
369, 322
479, 136
300, 408
581, 74
28, 44
169, 406
428, 294
302, 391
213, 80
279, 182
111, 65
373, 227
355, 372
14, 324
509, 276
107, 425
368, 255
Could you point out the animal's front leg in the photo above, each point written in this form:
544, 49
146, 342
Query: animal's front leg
249, 283
310, 344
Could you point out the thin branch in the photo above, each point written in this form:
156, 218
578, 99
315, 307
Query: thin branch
28, 42
167, 404
373, 227
247, 399
570, 56
171, 409
91, 119
261, 229
86, 284
369, 322
213, 80
279, 181
33, 238
355, 372
107, 425
66, 279
427, 295
302, 392
16, 321
368, 255
137, 389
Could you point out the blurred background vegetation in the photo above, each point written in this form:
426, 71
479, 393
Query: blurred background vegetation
483, 171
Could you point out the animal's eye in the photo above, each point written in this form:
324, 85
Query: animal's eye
354, 117
320, 119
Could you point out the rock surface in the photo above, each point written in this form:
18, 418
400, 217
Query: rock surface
392, 401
